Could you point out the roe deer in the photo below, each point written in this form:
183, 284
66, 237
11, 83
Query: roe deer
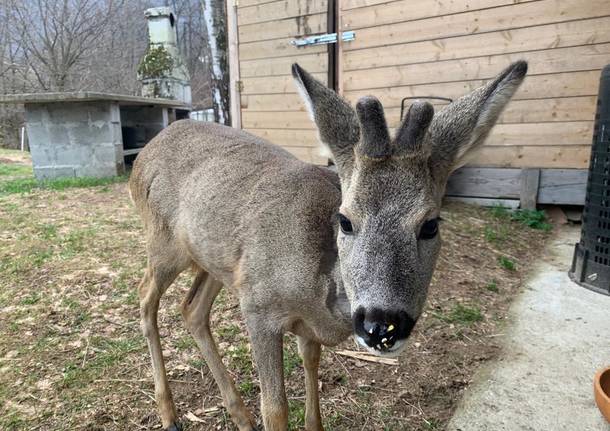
305, 250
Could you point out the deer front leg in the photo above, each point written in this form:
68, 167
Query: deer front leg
196, 312
310, 352
267, 343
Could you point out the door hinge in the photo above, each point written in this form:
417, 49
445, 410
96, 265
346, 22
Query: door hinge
323, 39
239, 86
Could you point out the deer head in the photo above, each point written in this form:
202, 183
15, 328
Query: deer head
388, 223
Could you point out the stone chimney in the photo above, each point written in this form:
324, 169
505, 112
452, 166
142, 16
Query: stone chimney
162, 70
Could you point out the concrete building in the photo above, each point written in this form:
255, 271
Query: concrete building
84, 134
88, 134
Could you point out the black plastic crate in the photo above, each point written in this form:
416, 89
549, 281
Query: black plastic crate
591, 263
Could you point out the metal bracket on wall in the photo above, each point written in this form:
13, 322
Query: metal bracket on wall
323, 39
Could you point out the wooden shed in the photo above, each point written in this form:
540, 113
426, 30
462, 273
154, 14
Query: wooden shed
419, 48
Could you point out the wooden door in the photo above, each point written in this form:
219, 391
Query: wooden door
270, 105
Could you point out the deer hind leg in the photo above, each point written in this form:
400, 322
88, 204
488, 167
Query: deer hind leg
196, 311
310, 352
155, 282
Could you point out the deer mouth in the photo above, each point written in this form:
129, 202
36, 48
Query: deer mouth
382, 350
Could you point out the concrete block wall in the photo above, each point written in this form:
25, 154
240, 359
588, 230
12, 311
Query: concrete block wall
81, 139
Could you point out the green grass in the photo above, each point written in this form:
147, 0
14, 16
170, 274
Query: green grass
14, 170
31, 299
506, 263
492, 286
461, 314
196, 363
296, 415
186, 343
241, 359
105, 354
27, 185
496, 234
534, 219
292, 360
247, 388
228, 333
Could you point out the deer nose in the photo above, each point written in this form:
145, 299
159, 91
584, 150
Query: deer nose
381, 330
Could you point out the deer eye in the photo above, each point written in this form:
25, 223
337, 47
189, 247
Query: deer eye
346, 225
429, 229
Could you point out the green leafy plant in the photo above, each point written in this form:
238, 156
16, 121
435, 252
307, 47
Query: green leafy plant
492, 286
461, 314
506, 263
536, 219
156, 63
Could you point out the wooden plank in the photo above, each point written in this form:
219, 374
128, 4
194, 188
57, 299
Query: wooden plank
555, 186
289, 138
569, 84
292, 27
485, 183
549, 156
247, 3
529, 111
518, 111
234, 75
530, 180
273, 120
351, 4
559, 35
566, 84
410, 10
272, 102
577, 58
307, 154
574, 133
275, 48
480, 21
512, 204
274, 84
563, 186
280, 10
313, 63
555, 133
550, 110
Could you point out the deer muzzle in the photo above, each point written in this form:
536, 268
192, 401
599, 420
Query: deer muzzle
381, 331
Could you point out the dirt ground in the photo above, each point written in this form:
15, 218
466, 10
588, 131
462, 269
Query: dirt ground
72, 356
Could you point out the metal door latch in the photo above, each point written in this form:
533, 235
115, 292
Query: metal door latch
323, 39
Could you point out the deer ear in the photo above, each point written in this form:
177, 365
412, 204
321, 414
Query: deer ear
461, 128
335, 119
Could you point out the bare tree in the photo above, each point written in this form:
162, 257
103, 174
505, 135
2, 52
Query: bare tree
215, 14
55, 35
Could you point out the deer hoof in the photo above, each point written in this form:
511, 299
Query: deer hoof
174, 427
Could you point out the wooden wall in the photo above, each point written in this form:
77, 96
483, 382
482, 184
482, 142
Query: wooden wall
271, 108
446, 48
442, 48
